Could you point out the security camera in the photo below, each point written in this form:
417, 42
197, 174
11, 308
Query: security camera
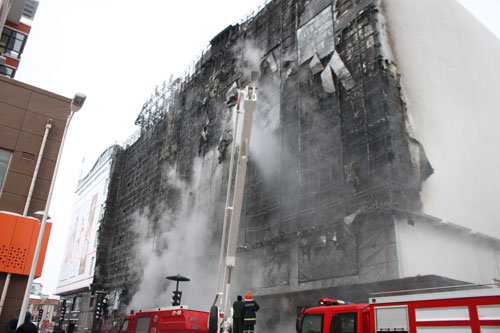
77, 102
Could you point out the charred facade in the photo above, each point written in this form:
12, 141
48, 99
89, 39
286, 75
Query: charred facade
332, 164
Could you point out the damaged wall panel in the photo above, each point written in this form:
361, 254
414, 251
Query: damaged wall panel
331, 160
326, 169
316, 36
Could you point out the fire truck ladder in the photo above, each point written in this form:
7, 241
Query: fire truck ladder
246, 103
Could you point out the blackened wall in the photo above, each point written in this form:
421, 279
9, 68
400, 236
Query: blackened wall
335, 168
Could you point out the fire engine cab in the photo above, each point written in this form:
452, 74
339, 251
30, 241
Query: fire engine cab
168, 319
464, 311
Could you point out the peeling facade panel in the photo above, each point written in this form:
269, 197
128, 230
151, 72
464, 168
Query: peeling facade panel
316, 36
315, 65
327, 80
341, 71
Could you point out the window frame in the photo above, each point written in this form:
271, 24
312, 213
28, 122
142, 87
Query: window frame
340, 315
7, 71
77, 304
139, 326
10, 37
7, 166
124, 326
322, 320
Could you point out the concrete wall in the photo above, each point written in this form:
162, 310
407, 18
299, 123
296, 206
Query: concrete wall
450, 76
431, 246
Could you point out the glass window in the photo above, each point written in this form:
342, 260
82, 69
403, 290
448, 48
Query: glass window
5, 156
312, 324
343, 323
142, 325
14, 42
69, 305
7, 71
124, 326
77, 303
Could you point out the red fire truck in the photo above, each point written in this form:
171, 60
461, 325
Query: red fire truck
464, 311
174, 319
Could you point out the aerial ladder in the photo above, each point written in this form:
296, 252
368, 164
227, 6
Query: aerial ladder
246, 101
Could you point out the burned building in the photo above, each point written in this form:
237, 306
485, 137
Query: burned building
332, 202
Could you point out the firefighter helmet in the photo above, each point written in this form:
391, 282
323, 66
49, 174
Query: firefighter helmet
248, 296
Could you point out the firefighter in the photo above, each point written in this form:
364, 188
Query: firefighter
238, 315
250, 307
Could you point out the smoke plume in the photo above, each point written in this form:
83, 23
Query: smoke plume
180, 243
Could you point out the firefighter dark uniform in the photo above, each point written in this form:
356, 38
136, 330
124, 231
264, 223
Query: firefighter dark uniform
250, 307
238, 315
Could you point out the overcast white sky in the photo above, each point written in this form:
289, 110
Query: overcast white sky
116, 52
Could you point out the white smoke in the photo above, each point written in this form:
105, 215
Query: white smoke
265, 144
181, 243
251, 57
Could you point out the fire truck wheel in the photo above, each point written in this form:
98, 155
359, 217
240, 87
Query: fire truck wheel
213, 319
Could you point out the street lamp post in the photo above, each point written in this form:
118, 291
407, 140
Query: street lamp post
76, 105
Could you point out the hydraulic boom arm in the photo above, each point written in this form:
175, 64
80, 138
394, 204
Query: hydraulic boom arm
247, 100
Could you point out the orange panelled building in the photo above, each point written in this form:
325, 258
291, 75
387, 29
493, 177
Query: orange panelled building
24, 113
18, 243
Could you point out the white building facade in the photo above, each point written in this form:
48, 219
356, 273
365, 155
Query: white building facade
78, 266
450, 77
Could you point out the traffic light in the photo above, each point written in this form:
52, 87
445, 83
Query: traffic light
98, 310
40, 314
176, 297
105, 307
63, 311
